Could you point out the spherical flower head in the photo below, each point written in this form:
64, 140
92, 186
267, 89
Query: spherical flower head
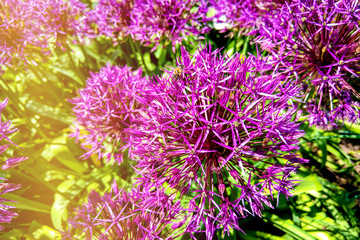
111, 18
20, 34
131, 215
6, 215
64, 18
317, 42
242, 16
156, 20
214, 126
106, 110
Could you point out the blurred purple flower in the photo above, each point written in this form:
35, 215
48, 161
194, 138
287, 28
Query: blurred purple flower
64, 19
317, 42
28, 28
242, 16
128, 215
111, 18
20, 32
172, 20
106, 109
149, 21
6, 215
221, 128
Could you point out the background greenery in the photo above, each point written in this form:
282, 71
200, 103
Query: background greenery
54, 180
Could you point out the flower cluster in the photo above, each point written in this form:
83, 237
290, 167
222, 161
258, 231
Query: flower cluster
20, 32
6, 215
317, 42
106, 110
149, 21
219, 129
156, 19
129, 215
111, 18
242, 16
28, 27
64, 18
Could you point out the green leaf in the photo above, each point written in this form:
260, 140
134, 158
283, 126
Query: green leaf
288, 227
256, 235
26, 204
54, 113
66, 185
58, 149
353, 127
308, 184
13, 234
42, 232
159, 50
77, 52
59, 210
151, 66
323, 147
68, 72
117, 52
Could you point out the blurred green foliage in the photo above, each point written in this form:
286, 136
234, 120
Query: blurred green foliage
55, 180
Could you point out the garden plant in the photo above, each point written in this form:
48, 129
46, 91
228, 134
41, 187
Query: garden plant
176, 120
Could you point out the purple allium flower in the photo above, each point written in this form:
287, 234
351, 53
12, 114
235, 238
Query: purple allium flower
20, 32
106, 109
318, 43
64, 18
13, 162
6, 215
5, 130
242, 16
29, 27
149, 21
111, 18
172, 20
5, 127
131, 215
219, 129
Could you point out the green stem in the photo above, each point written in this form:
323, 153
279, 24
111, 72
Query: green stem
169, 50
235, 41
85, 54
73, 65
138, 51
246, 45
125, 48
